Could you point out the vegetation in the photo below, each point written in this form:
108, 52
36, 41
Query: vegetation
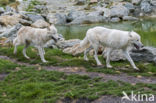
6, 2
29, 84
56, 57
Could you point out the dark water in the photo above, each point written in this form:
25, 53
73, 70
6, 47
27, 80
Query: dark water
146, 28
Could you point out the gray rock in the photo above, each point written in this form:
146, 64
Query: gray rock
145, 6
60, 19
115, 19
80, 2
88, 19
34, 17
74, 14
129, 6
25, 22
2, 10
148, 54
129, 18
136, 2
153, 2
9, 9
119, 11
11, 32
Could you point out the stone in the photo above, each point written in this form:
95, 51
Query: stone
129, 6
60, 19
11, 20
136, 2
145, 6
40, 24
11, 32
25, 22
119, 11
115, 19
34, 17
73, 15
80, 2
153, 2
129, 18
1, 10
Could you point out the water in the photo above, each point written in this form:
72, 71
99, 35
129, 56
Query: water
146, 28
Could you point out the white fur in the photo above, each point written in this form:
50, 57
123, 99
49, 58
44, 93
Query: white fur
35, 36
112, 39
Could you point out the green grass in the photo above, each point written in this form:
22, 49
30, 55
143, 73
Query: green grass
28, 84
56, 57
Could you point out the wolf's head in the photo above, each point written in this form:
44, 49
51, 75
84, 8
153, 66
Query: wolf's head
52, 31
135, 40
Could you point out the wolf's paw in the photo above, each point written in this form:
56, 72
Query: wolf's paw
137, 69
109, 66
44, 61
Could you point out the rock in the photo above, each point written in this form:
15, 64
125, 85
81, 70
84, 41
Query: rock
9, 9
119, 11
80, 2
93, 1
68, 43
107, 12
129, 18
34, 17
129, 6
73, 15
153, 2
60, 19
40, 24
115, 19
7, 20
154, 60
148, 54
11, 32
41, 9
88, 20
25, 22
1, 10
145, 6
136, 2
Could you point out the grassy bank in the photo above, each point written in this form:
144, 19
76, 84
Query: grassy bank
29, 84
56, 57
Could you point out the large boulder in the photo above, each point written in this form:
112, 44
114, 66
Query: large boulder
60, 19
129, 18
136, 2
1, 10
11, 20
34, 17
73, 15
153, 2
115, 19
80, 2
40, 24
129, 6
145, 6
10, 33
119, 11
148, 54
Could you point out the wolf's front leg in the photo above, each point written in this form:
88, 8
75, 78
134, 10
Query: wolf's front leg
126, 54
41, 54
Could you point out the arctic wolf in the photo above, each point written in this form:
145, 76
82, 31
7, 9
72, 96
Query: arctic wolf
111, 39
36, 37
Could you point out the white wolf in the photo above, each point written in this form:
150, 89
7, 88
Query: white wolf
111, 39
35, 36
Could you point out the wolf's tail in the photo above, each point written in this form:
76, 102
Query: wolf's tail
85, 43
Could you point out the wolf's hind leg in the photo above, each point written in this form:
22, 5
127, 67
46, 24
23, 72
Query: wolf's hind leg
24, 51
86, 52
109, 50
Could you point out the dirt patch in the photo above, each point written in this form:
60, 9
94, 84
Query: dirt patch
2, 76
82, 71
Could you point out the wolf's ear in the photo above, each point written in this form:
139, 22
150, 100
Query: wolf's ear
130, 34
